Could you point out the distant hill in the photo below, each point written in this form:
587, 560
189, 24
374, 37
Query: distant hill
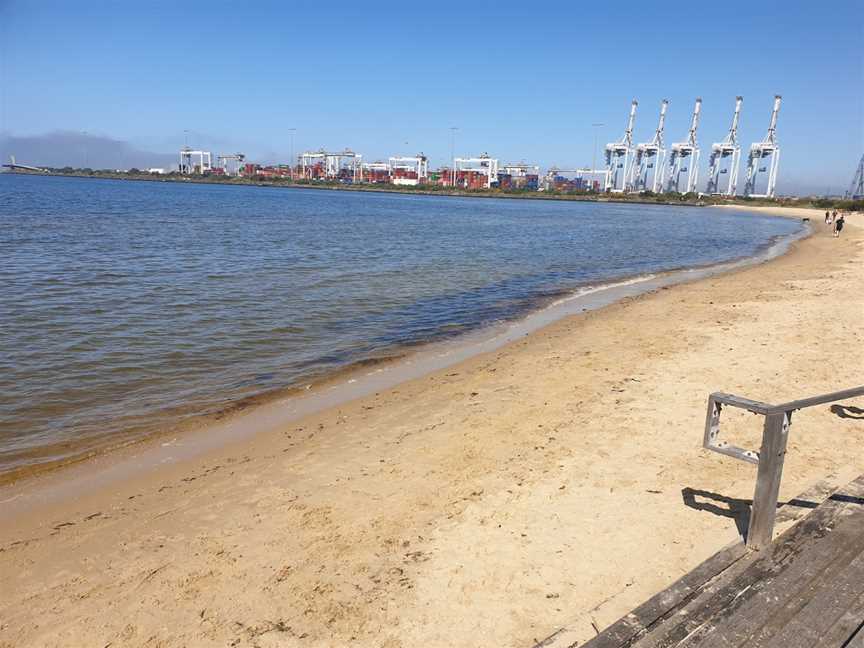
70, 148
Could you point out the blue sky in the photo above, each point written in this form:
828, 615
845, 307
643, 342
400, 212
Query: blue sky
520, 80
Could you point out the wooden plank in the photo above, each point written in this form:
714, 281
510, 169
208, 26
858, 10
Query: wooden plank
797, 507
665, 607
786, 587
856, 640
693, 624
821, 608
628, 629
771, 457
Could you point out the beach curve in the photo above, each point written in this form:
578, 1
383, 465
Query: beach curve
478, 502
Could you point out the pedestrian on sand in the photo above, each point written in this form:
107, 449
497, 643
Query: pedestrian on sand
838, 225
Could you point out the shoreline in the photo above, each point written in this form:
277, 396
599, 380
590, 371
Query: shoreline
481, 500
422, 358
699, 201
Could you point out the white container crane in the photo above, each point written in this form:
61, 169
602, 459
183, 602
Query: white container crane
371, 170
728, 148
333, 163
188, 165
484, 165
231, 163
685, 157
410, 171
650, 155
765, 151
856, 189
618, 156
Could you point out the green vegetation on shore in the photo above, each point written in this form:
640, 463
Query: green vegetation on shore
434, 189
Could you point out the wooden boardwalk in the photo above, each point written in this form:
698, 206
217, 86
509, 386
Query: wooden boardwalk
803, 590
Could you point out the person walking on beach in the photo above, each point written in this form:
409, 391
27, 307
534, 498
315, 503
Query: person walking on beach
827, 217
838, 225
834, 216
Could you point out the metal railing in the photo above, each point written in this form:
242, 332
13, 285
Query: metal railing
770, 457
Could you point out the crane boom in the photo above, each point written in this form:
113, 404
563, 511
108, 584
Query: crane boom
732, 137
628, 133
694, 123
618, 156
770, 138
658, 134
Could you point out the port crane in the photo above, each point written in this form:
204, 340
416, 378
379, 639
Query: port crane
650, 155
410, 170
231, 163
856, 189
769, 150
188, 164
375, 172
618, 156
686, 153
328, 165
728, 148
483, 165
581, 173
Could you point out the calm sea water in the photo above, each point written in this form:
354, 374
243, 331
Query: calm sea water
125, 306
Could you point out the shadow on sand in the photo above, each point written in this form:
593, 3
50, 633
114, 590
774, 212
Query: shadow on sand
848, 411
739, 509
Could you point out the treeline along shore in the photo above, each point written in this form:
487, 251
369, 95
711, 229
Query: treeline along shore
645, 197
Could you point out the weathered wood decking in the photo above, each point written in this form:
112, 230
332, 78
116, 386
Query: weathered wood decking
804, 590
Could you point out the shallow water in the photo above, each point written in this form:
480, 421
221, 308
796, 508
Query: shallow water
127, 306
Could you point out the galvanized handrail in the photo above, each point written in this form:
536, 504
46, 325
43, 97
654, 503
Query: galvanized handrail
770, 457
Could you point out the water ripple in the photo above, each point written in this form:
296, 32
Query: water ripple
125, 306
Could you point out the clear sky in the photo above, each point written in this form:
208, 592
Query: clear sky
521, 80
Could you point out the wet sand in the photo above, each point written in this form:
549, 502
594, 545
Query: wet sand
490, 503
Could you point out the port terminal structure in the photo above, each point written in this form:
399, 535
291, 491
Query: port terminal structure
410, 171
728, 148
324, 165
376, 172
856, 189
629, 168
685, 158
231, 164
475, 173
188, 164
520, 169
760, 152
650, 159
619, 157
556, 178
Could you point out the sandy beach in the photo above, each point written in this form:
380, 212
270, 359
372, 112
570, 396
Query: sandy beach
556, 482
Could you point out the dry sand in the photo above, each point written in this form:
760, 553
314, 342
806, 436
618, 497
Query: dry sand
489, 504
